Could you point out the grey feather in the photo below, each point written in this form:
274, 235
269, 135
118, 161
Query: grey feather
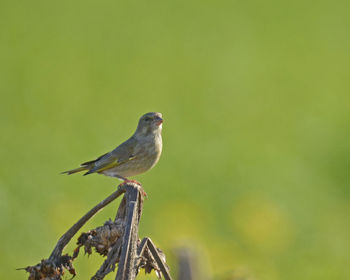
134, 156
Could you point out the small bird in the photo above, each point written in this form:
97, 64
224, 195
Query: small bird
136, 155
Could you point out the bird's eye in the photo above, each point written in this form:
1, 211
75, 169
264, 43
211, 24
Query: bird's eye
147, 119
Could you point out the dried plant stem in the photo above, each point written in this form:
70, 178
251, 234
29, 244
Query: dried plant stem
118, 240
63, 241
163, 268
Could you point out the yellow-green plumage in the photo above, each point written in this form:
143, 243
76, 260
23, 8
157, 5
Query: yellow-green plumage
76, 170
136, 155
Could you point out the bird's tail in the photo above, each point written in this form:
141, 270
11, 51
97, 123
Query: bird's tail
79, 169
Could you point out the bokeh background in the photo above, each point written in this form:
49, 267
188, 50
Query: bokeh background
254, 175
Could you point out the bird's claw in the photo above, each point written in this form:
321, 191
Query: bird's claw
126, 181
144, 194
131, 181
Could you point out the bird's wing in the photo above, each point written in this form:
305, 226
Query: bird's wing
91, 162
123, 153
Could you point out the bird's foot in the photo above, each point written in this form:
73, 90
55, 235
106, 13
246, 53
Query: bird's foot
144, 194
131, 181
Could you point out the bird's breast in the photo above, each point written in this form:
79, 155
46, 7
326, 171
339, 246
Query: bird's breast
149, 151
146, 155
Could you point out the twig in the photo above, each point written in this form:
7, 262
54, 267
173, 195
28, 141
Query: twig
109, 264
142, 247
163, 268
63, 241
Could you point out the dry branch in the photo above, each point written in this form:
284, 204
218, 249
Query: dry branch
63, 241
117, 240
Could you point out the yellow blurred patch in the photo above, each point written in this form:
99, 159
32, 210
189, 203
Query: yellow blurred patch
181, 220
262, 223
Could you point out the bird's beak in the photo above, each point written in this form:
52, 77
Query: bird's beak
159, 120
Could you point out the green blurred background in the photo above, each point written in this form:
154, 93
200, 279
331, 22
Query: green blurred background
255, 96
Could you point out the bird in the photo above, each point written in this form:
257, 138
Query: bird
138, 154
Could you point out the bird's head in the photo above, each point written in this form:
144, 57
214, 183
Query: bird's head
150, 123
